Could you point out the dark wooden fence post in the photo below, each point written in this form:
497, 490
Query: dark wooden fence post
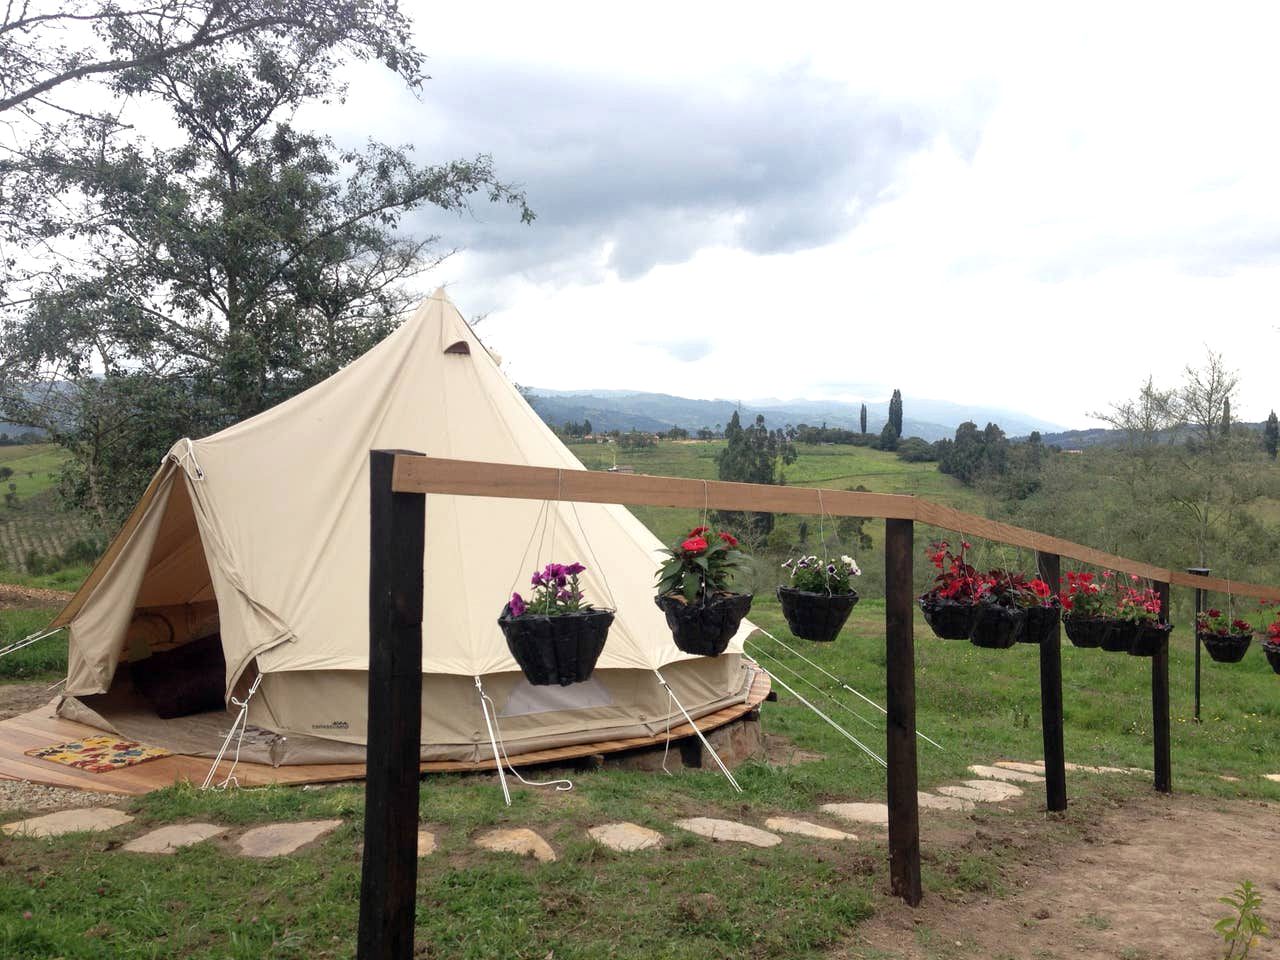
1055, 759
389, 875
1160, 703
900, 726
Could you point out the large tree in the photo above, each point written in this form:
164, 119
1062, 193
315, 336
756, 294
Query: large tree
753, 454
216, 274
1271, 435
895, 413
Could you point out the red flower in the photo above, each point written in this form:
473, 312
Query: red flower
699, 531
694, 544
729, 538
1040, 588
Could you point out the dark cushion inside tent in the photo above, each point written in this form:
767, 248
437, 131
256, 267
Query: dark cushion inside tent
188, 679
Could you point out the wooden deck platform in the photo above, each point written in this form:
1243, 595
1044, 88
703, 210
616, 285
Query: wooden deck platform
42, 728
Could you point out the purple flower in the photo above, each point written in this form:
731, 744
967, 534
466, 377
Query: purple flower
516, 606
574, 569
564, 595
537, 580
561, 580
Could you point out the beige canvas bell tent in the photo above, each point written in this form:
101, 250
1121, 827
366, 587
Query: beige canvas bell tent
258, 536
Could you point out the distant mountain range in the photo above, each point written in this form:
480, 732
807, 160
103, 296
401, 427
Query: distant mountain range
657, 412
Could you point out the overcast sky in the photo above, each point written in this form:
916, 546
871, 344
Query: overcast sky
1026, 208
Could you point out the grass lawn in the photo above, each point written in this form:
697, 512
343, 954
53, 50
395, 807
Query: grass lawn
35, 467
695, 899
44, 660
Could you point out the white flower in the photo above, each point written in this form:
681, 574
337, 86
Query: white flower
853, 567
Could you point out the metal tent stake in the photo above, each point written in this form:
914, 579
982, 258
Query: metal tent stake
1199, 572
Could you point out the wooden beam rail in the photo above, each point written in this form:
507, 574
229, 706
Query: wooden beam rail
419, 474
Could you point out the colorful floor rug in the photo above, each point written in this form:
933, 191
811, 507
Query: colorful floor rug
99, 754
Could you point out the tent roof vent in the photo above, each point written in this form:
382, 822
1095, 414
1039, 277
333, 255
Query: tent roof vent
459, 346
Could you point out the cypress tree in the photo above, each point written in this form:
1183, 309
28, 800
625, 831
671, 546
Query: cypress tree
862, 418
1226, 417
1271, 435
895, 413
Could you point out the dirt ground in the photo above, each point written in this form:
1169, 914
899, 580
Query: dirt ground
13, 597
1141, 883
16, 698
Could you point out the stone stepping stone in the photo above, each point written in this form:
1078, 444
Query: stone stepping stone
803, 828
877, 813
168, 839
91, 819
931, 801
1020, 766
982, 791
1229, 779
625, 837
730, 830
281, 839
426, 843
521, 841
1275, 777
999, 773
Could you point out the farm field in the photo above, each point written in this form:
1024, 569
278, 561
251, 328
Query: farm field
38, 522
696, 898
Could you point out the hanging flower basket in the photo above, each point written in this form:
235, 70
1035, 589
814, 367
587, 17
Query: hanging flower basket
949, 619
998, 627
1150, 638
1087, 631
705, 626
1230, 648
1227, 638
1120, 638
556, 649
1040, 622
819, 597
554, 636
702, 613
1272, 649
816, 616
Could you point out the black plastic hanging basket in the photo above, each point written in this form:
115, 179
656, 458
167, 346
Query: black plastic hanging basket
561, 649
1272, 650
1121, 636
816, 616
1040, 622
705, 627
1087, 631
949, 619
1149, 638
1228, 649
998, 627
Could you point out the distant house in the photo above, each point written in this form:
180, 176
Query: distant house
1073, 451
621, 468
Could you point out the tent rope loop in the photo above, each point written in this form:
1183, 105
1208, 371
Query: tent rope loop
241, 724
500, 757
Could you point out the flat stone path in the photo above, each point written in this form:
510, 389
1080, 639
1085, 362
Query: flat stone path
982, 791
521, 841
875, 813
729, 830
166, 840
803, 828
625, 837
1273, 776
1020, 766
93, 819
281, 839
931, 801
1000, 773
426, 843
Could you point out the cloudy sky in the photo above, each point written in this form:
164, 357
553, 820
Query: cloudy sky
1016, 208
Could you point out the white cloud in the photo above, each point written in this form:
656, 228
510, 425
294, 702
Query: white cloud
1082, 196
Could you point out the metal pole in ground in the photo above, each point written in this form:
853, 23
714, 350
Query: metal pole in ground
1199, 572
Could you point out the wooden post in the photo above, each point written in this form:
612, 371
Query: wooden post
900, 725
1160, 703
389, 876
1055, 759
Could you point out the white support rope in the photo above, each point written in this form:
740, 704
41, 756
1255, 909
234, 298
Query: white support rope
241, 723
849, 736
28, 641
720, 763
832, 677
500, 757
800, 676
